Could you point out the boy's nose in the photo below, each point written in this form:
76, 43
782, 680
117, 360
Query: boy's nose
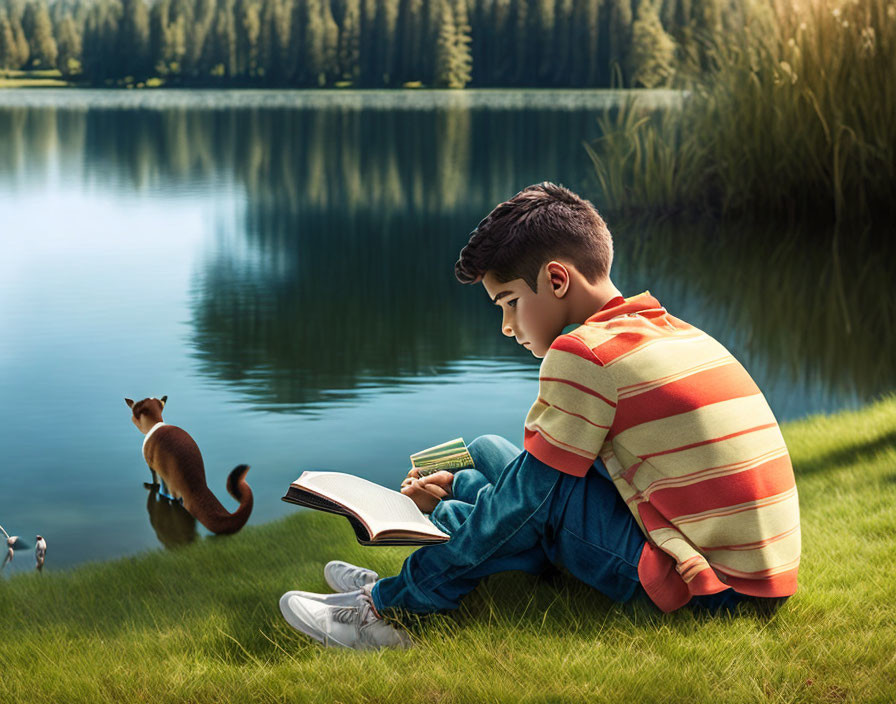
507, 330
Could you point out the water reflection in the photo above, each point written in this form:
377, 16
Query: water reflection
326, 301
287, 271
810, 313
172, 523
331, 300
347, 156
334, 273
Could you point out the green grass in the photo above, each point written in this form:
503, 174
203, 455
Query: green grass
32, 83
37, 78
201, 624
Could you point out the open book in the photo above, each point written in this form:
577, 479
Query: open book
379, 516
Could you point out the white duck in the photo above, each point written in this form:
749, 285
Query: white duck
12, 543
40, 552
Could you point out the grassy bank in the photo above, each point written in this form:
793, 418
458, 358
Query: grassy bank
201, 624
32, 79
795, 116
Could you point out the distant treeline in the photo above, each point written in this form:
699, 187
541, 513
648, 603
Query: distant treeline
363, 43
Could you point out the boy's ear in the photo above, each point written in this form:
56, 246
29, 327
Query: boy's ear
130, 402
558, 276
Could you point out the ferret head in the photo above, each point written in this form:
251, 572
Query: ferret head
146, 413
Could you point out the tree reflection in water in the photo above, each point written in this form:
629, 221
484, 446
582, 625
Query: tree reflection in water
332, 273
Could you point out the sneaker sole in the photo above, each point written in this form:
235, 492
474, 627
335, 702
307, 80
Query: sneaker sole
334, 599
293, 620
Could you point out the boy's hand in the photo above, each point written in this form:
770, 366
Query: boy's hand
428, 491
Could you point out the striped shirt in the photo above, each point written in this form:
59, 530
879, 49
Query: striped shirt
689, 441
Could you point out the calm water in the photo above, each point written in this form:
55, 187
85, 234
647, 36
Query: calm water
281, 266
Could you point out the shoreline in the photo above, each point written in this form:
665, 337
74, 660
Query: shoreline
203, 535
52, 96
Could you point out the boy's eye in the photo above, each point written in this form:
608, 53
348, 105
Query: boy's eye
512, 304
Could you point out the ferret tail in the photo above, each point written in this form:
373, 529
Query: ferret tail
218, 519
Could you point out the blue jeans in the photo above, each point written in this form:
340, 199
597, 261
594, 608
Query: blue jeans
513, 512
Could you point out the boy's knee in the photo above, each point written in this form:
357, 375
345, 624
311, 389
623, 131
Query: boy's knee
467, 483
486, 441
449, 515
492, 444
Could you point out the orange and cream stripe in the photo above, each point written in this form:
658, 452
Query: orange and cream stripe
689, 441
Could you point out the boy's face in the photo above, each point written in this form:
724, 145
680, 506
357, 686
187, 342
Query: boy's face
534, 319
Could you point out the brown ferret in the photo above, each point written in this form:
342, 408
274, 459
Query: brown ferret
174, 455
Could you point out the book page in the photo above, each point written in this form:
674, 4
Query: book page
380, 508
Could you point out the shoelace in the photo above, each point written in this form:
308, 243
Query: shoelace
354, 575
359, 614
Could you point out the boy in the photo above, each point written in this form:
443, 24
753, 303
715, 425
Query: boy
652, 464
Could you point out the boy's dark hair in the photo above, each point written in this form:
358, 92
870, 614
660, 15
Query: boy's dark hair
542, 222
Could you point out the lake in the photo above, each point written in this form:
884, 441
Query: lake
280, 265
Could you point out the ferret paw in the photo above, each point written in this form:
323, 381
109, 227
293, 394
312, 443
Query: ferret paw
148, 485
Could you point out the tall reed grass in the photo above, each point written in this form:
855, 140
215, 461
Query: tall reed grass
796, 115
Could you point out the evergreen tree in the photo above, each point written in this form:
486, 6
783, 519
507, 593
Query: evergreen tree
431, 24
69, 59
368, 43
411, 33
501, 59
266, 39
453, 46
134, 39
274, 40
100, 40
563, 44
463, 58
176, 44
224, 62
522, 69
620, 29
294, 64
314, 51
542, 33
480, 11
331, 41
371, 43
197, 61
350, 42
27, 16
283, 31
653, 51
158, 28
18, 33
40, 35
21, 51
386, 26
179, 36
9, 50
586, 56
445, 44
248, 33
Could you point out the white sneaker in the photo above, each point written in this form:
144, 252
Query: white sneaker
346, 626
343, 577
334, 599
